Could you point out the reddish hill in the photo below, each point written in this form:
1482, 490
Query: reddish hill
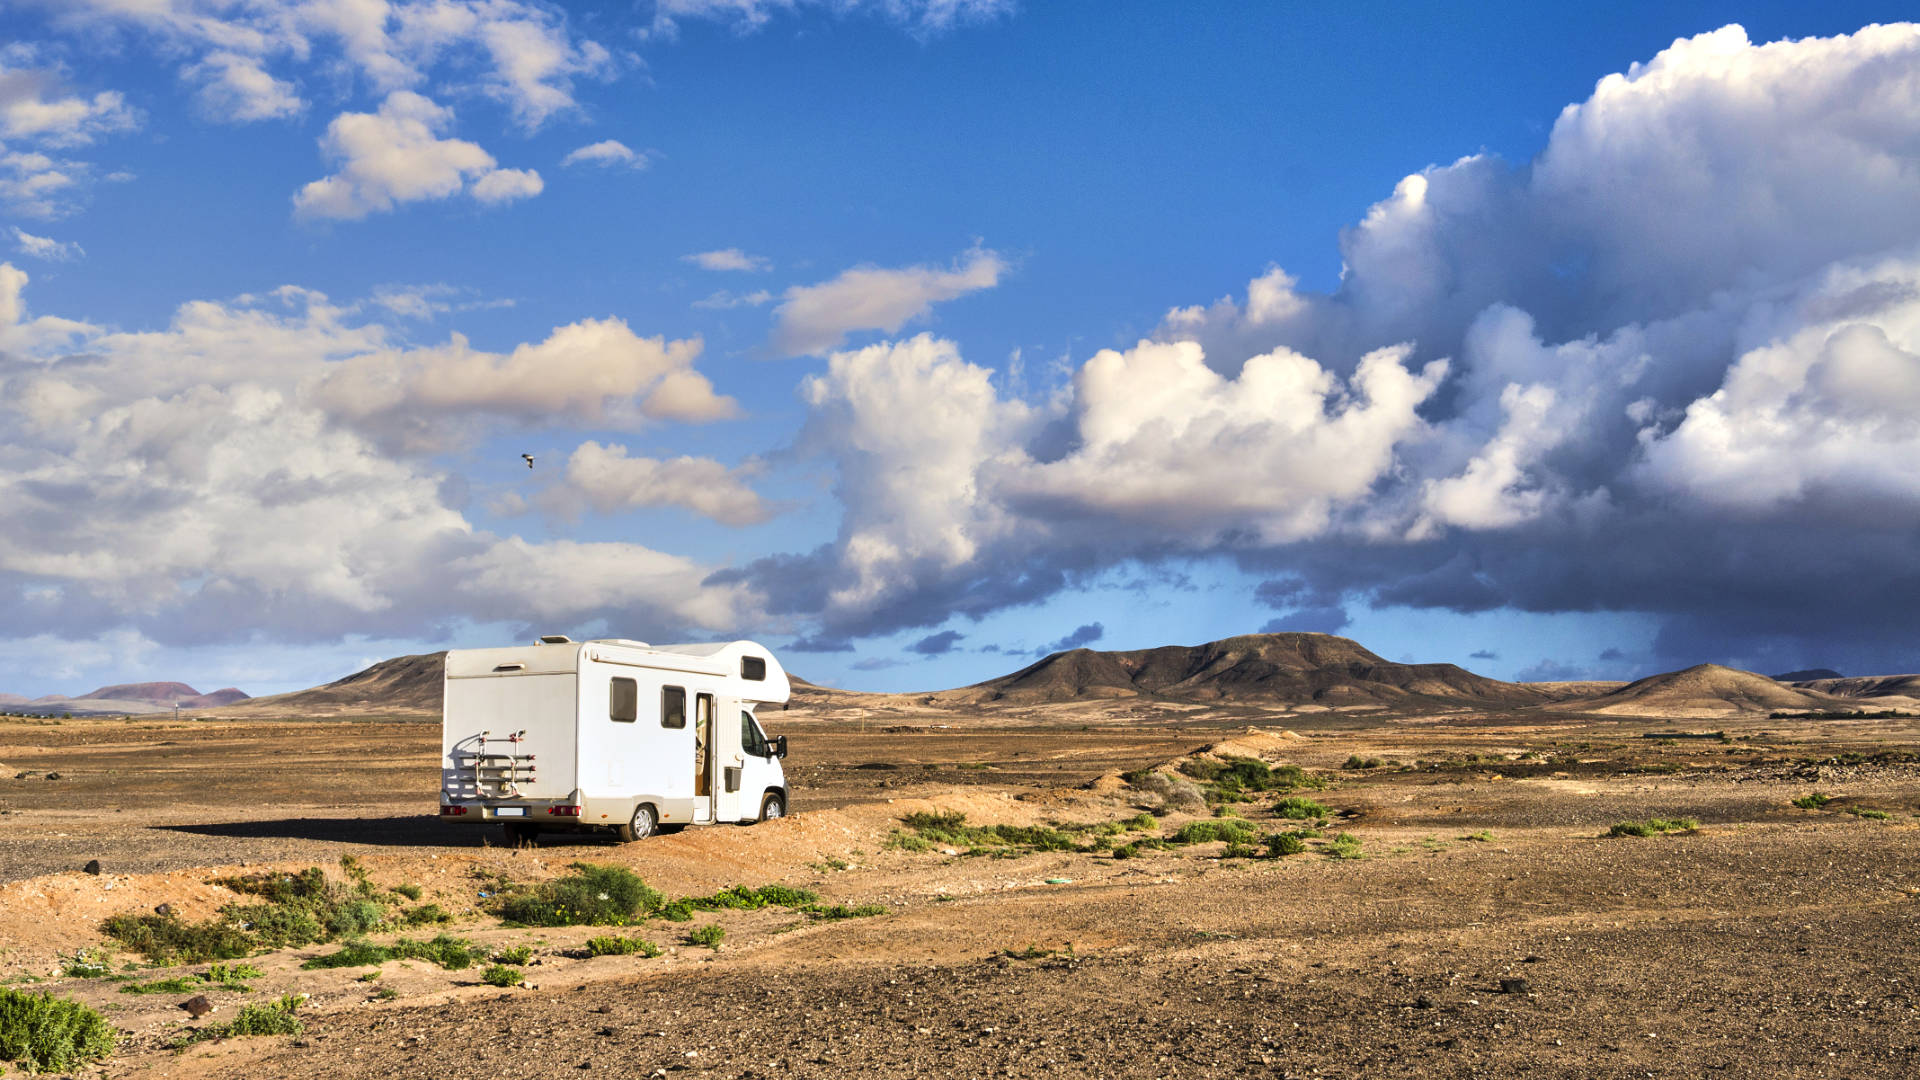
1291, 668
159, 693
228, 696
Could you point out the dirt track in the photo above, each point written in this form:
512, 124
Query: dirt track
1775, 941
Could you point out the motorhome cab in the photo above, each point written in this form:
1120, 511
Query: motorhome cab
616, 735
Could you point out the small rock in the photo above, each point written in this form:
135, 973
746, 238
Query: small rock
606, 1031
1531, 960
604, 1009
1423, 1002
92, 867
1515, 986
163, 910
23, 776
197, 1006
53, 776
301, 1044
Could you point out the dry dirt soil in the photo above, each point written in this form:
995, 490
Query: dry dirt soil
1490, 928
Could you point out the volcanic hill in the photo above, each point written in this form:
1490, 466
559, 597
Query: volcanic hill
1706, 690
1295, 668
404, 685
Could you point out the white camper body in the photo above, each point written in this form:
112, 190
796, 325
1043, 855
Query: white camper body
616, 735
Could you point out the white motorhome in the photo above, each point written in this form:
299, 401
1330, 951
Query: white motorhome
616, 735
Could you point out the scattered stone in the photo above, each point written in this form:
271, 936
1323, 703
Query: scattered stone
92, 867
23, 775
1423, 1002
163, 910
606, 1031
53, 776
604, 1009
1531, 960
1515, 986
197, 1006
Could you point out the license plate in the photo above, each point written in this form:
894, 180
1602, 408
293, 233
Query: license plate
509, 811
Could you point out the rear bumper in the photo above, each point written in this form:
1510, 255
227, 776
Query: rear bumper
546, 812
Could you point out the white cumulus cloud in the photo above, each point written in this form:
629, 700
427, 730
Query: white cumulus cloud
396, 155
43, 247
813, 319
729, 259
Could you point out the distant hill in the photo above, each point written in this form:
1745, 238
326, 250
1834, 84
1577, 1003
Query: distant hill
158, 693
1293, 668
1808, 675
1705, 690
404, 684
1900, 692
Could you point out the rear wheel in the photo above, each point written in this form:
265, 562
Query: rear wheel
645, 820
773, 806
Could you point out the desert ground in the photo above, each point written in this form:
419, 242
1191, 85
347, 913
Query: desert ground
1488, 927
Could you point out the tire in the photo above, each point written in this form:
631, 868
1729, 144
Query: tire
773, 806
645, 821
520, 835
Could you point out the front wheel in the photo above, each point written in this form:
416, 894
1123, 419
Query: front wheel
773, 806
645, 821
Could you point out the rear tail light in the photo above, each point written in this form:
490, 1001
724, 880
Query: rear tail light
448, 810
564, 811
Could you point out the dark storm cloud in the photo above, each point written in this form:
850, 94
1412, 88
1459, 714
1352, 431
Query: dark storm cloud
938, 644
1082, 636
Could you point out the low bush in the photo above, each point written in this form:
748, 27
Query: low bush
1343, 846
951, 830
1358, 762
1301, 808
274, 1017
40, 1033
1280, 845
516, 955
411, 892
502, 975
593, 895
1481, 837
452, 953
830, 912
184, 984
425, 914
1653, 827
1870, 815
709, 935
1232, 830
1813, 801
621, 946
168, 938
85, 964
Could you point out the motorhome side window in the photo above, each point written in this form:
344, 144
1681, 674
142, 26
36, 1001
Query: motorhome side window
754, 668
623, 701
673, 706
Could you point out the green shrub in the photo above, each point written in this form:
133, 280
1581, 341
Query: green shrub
502, 975
1813, 801
411, 892
85, 964
1343, 846
1280, 845
184, 984
1870, 815
709, 935
451, 953
932, 830
621, 946
386, 993
426, 913
1126, 851
225, 973
593, 895
1301, 808
168, 938
1482, 837
830, 912
517, 955
274, 1017
1653, 827
1142, 822
42, 1034
1232, 830
1358, 762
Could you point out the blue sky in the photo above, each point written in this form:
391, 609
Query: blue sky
916, 337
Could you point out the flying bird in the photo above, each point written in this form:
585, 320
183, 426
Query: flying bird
529, 458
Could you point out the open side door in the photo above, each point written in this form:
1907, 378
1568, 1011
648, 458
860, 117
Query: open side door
729, 760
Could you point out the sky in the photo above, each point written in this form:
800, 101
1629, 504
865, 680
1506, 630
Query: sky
918, 338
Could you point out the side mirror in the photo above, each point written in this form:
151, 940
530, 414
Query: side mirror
779, 746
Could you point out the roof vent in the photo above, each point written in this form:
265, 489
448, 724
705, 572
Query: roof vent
555, 639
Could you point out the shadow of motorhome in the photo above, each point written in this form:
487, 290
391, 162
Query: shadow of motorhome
414, 830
